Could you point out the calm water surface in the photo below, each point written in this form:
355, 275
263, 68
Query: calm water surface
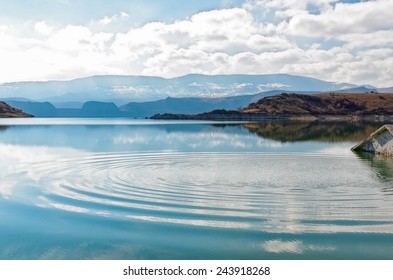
139, 189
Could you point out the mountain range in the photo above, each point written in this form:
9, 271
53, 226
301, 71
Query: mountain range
123, 89
142, 96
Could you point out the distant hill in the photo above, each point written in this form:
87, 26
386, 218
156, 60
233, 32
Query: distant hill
7, 111
184, 105
37, 109
196, 105
387, 90
192, 105
68, 105
136, 109
99, 109
7, 99
328, 105
324, 104
362, 89
123, 89
91, 109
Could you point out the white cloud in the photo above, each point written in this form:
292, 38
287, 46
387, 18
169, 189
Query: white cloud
42, 28
319, 38
382, 38
362, 17
291, 4
107, 20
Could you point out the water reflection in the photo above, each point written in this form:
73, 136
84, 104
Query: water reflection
382, 166
242, 190
294, 131
252, 191
202, 137
294, 247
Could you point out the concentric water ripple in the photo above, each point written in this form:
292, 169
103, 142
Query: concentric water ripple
250, 191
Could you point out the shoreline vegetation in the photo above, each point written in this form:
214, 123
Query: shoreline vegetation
291, 106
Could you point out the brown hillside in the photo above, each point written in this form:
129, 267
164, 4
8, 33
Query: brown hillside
324, 104
6, 111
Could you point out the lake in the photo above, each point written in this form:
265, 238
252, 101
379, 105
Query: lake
145, 189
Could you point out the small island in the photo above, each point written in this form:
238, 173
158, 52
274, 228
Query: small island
292, 106
7, 111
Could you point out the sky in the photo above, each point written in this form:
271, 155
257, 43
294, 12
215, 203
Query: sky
342, 41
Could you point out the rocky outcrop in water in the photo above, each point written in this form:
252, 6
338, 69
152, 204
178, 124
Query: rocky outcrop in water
379, 142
